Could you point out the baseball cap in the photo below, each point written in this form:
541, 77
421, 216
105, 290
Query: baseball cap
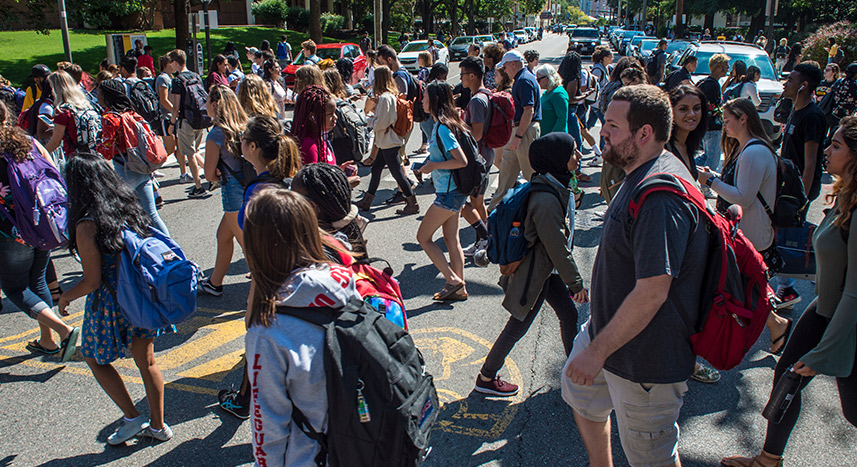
40, 71
252, 50
511, 56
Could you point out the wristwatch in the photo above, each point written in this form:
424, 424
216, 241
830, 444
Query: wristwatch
710, 181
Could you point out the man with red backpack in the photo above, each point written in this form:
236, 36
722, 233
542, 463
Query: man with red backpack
634, 355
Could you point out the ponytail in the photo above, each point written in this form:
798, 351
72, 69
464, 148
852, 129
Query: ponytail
280, 152
288, 160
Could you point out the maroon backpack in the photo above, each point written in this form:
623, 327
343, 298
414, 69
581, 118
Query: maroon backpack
499, 130
736, 298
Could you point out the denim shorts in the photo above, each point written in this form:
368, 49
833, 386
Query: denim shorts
231, 193
451, 201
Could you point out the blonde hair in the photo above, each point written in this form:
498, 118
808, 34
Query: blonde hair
308, 75
67, 91
717, 60
426, 58
255, 97
334, 83
228, 116
384, 81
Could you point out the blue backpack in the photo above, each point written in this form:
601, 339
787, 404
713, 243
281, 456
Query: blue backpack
157, 284
506, 242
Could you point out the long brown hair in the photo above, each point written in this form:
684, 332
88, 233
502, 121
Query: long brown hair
281, 154
384, 81
308, 75
228, 116
739, 107
13, 140
280, 235
845, 188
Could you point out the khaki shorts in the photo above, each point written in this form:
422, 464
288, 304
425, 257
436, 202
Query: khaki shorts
190, 141
647, 414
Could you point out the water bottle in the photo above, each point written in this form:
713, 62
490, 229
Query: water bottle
516, 230
782, 396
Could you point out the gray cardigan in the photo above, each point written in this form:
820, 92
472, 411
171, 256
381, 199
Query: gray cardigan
547, 233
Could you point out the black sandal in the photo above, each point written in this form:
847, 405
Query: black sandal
783, 337
450, 292
56, 293
34, 346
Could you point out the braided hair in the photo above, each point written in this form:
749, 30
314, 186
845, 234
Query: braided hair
309, 113
326, 186
111, 93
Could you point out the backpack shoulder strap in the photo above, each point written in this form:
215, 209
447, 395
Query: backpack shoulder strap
669, 183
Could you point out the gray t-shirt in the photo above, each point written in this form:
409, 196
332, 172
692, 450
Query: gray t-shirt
163, 80
478, 111
216, 136
667, 237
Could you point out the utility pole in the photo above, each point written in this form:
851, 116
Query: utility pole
679, 19
377, 17
64, 25
205, 5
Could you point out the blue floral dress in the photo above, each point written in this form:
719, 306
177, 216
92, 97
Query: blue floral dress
106, 333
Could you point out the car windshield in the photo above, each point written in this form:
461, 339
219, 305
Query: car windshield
462, 40
760, 60
485, 38
630, 35
584, 33
333, 54
677, 46
416, 46
649, 44
520, 31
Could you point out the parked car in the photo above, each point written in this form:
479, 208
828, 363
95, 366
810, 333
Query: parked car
532, 32
769, 86
584, 40
643, 50
409, 53
486, 40
635, 41
333, 52
626, 39
521, 35
674, 51
458, 47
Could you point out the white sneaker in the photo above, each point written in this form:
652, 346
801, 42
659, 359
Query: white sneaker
158, 174
127, 430
476, 246
596, 161
164, 435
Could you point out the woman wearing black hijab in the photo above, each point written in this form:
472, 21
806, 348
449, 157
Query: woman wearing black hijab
548, 270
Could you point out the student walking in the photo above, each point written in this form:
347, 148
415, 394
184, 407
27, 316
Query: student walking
718, 66
382, 119
548, 272
22, 266
823, 341
189, 138
315, 117
445, 155
223, 156
101, 205
77, 124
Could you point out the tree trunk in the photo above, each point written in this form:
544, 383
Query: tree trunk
757, 23
315, 21
180, 10
709, 23
452, 6
470, 11
679, 23
349, 17
385, 22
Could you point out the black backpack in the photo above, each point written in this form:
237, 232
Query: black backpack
652, 67
791, 202
193, 98
382, 404
145, 102
268, 179
470, 178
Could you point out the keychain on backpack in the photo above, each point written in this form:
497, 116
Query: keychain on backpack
362, 408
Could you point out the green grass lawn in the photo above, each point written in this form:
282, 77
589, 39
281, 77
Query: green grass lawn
20, 50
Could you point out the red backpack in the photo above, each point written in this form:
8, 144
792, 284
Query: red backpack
499, 130
736, 297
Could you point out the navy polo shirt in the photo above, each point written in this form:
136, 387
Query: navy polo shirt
525, 92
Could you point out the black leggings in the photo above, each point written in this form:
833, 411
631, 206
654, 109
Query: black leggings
805, 336
556, 294
50, 272
389, 158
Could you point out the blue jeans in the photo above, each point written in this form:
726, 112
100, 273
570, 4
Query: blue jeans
594, 116
574, 127
143, 186
22, 276
711, 146
427, 126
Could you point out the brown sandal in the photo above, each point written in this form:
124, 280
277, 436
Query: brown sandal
450, 292
762, 460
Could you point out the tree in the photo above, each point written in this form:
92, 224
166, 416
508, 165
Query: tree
315, 20
180, 10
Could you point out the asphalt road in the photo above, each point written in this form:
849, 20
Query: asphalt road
58, 415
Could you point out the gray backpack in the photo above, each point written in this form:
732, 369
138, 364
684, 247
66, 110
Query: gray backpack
350, 137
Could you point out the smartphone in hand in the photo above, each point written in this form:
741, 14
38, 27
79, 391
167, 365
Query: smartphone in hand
416, 166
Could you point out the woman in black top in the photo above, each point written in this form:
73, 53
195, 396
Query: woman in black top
690, 121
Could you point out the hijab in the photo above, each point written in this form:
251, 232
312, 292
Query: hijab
550, 154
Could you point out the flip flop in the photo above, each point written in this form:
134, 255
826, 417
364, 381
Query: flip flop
448, 292
783, 337
69, 345
34, 346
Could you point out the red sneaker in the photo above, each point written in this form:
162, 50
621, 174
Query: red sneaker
496, 387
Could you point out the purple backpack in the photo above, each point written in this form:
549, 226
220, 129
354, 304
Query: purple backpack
40, 201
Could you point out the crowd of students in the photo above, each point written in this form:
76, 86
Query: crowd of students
286, 192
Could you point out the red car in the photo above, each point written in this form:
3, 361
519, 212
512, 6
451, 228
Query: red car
333, 52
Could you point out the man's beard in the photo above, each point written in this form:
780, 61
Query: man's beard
622, 154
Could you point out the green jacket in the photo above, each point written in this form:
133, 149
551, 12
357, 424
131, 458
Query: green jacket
554, 111
546, 231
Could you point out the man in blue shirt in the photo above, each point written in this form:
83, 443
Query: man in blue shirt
506, 43
528, 114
